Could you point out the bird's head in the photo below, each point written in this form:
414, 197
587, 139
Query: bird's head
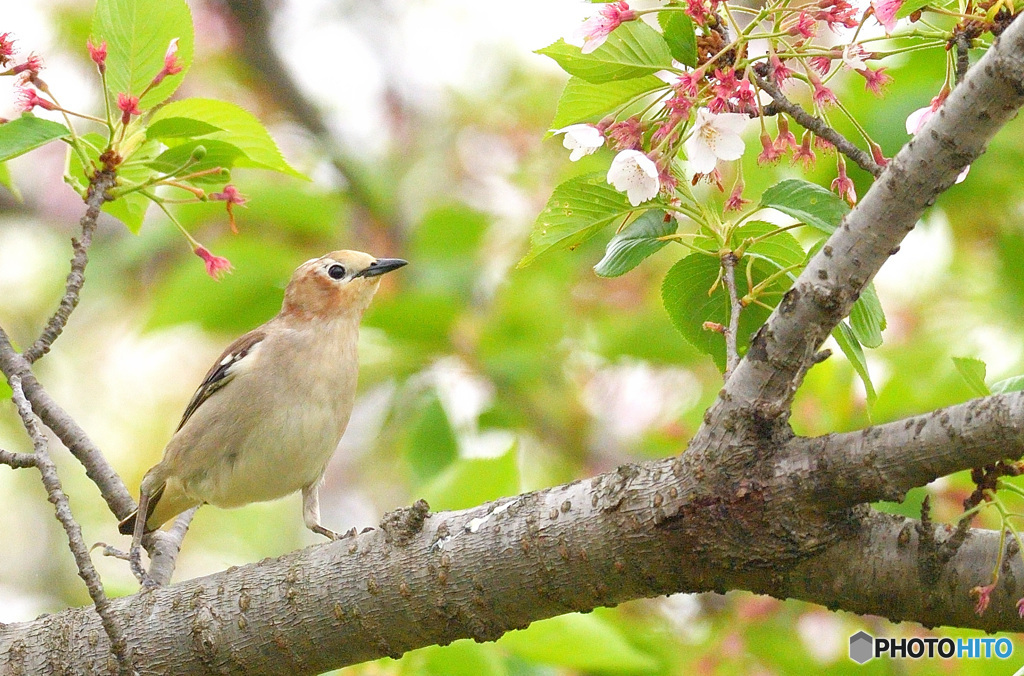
337, 284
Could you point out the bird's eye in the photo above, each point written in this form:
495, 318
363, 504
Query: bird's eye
336, 271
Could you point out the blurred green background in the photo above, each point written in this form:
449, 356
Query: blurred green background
421, 125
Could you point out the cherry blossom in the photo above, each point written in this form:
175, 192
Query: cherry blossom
626, 135
6, 48
230, 195
842, 185
597, 28
885, 12
715, 137
916, 120
635, 174
581, 139
172, 64
216, 266
129, 105
98, 54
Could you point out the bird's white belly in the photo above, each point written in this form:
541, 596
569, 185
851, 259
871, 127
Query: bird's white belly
289, 437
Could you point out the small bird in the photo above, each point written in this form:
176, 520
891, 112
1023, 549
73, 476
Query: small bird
271, 411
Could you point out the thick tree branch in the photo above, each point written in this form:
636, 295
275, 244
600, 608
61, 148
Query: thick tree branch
641, 531
98, 187
781, 352
885, 461
48, 471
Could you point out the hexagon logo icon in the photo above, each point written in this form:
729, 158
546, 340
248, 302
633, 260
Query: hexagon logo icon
862, 647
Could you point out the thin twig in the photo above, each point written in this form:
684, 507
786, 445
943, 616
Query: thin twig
98, 187
48, 471
166, 545
862, 158
17, 460
732, 355
97, 468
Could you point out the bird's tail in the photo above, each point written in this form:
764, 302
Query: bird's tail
127, 525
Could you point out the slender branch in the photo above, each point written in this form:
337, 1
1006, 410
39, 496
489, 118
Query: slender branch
97, 468
821, 128
48, 471
97, 195
17, 460
732, 355
165, 547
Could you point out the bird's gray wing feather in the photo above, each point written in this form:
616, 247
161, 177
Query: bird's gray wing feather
222, 371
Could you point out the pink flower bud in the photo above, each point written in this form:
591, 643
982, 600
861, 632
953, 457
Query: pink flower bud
172, 65
129, 106
230, 195
29, 98
98, 54
216, 266
6, 48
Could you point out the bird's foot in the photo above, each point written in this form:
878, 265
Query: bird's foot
326, 532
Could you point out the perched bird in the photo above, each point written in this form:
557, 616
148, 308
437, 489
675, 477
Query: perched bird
269, 414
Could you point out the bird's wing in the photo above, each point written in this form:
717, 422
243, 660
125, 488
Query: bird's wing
221, 373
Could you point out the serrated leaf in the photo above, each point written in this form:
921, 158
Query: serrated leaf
780, 249
239, 128
973, 371
807, 202
26, 133
583, 101
577, 210
1014, 384
179, 127
138, 33
637, 241
218, 154
855, 354
867, 319
471, 481
557, 641
5, 181
632, 50
680, 36
685, 293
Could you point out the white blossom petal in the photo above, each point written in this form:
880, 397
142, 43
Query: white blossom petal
635, 174
917, 119
714, 137
581, 139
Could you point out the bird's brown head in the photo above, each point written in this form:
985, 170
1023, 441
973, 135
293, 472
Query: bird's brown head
337, 284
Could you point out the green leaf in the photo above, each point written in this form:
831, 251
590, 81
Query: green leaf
1014, 384
780, 250
471, 481
632, 50
680, 36
911, 6
138, 33
853, 351
685, 293
218, 154
559, 641
637, 241
26, 133
575, 212
5, 181
867, 319
239, 128
179, 127
807, 202
583, 101
973, 371
431, 445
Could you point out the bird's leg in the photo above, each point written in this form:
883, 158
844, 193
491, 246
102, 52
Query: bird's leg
135, 552
311, 511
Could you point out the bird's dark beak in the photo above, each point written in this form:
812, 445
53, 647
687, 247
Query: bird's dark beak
380, 266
